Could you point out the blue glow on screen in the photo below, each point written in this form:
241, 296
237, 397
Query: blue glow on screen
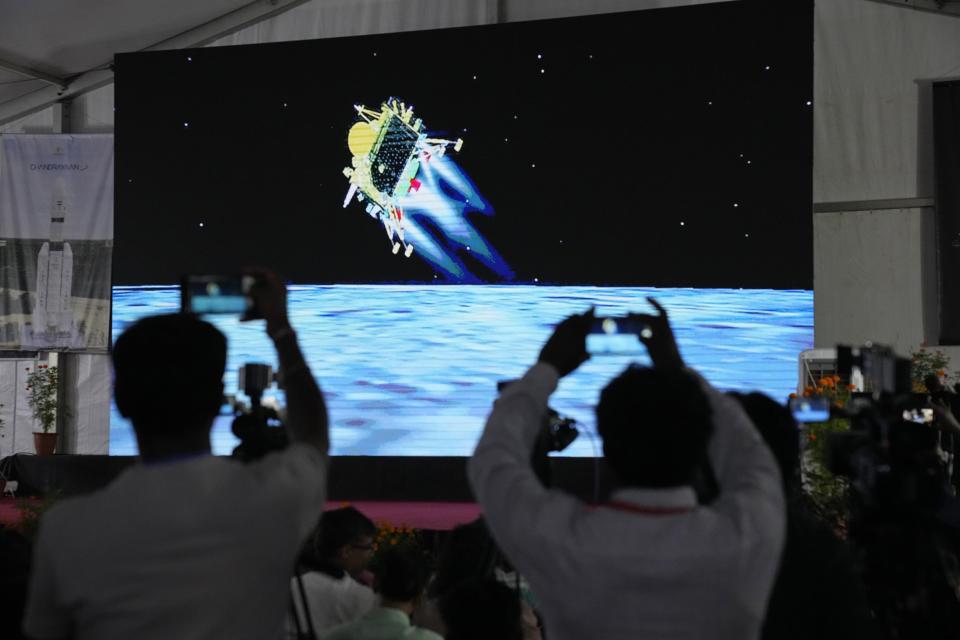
411, 370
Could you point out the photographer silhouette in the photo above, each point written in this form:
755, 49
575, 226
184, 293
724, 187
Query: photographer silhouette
184, 544
650, 562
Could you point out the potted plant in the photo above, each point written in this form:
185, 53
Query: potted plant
828, 494
42, 386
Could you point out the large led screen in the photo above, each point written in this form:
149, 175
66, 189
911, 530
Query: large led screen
439, 200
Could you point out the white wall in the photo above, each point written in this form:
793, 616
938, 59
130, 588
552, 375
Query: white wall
874, 271
865, 288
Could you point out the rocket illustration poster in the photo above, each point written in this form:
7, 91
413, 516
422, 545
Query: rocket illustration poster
56, 240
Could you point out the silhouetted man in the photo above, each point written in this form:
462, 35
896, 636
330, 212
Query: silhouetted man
184, 544
651, 562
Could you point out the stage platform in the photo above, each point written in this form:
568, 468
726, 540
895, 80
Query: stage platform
425, 493
428, 516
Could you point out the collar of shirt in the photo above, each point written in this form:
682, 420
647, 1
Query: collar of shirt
672, 498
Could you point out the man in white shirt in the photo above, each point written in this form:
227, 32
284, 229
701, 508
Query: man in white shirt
651, 562
185, 545
341, 549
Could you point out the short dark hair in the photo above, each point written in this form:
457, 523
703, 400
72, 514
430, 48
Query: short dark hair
778, 429
479, 609
169, 372
340, 527
655, 424
401, 574
470, 553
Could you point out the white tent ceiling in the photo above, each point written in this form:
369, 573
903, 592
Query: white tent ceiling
52, 50
58, 48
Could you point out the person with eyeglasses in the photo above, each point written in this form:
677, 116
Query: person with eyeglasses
330, 583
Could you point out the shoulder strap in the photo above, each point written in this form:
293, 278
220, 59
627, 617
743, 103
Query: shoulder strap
310, 633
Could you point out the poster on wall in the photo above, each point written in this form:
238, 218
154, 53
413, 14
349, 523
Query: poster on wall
56, 242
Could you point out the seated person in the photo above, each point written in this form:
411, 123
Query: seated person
481, 609
651, 562
184, 544
340, 549
471, 554
399, 581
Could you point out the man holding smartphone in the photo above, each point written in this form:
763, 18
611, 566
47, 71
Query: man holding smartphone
184, 544
650, 562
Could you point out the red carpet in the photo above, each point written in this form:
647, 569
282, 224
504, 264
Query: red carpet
438, 516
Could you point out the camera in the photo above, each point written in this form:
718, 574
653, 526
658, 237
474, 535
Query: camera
259, 428
557, 432
903, 517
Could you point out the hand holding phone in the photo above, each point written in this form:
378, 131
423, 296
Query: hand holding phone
269, 296
616, 335
219, 294
659, 339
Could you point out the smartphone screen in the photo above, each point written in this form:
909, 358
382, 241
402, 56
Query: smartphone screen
615, 337
221, 294
810, 409
921, 415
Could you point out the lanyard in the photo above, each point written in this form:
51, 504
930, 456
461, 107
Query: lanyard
620, 505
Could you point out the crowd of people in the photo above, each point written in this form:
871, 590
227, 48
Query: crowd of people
705, 535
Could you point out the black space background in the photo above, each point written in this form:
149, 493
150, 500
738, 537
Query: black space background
626, 146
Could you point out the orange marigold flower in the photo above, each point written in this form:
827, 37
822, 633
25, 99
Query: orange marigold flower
809, 389
812, 436
793, 395
852, 387
393, 541
807, 393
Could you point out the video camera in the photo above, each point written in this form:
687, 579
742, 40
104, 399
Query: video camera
557, 432
259, 428
903, 517
891, 454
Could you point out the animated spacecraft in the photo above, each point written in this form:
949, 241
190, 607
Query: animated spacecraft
388, 147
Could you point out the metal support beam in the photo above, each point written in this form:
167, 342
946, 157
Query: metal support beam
33, 73
61, 116
873, 205
943, 7
206, 33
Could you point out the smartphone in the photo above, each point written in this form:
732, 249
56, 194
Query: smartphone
618, 336
921, 415
217, 294
810, 409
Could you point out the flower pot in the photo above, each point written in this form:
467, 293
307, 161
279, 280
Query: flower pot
44, 443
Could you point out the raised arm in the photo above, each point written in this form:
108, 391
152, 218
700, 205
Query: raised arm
751, 496
306, 411
523, 514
